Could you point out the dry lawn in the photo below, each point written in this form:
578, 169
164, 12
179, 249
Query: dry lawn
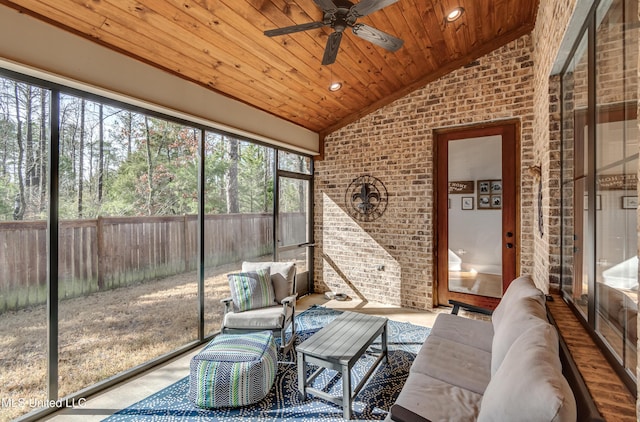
102, 335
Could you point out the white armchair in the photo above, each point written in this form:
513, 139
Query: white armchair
277, 318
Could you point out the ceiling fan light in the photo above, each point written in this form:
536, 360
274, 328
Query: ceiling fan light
455, 14
336, 86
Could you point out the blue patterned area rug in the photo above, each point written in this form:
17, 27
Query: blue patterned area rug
283, 402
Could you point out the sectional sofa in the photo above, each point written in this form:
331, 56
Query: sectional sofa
505, 369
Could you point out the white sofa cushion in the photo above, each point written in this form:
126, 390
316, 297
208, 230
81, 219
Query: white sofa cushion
456, 363
437, 400
471, 332
525, 312
520, 287
529, 385
263, 318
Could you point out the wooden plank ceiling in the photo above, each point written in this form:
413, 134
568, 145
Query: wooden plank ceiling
220, 44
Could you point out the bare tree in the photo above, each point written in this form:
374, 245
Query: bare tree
42, 151
30, 158
29, 161
101, 154
233, 206
302, 197
83, 107
129, 119
20, 205
149, 167
6, 127
268, 178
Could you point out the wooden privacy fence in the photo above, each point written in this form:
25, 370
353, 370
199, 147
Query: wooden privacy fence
111, 252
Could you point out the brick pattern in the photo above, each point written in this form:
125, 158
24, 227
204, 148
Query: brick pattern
548, 246
551, 23
395, 144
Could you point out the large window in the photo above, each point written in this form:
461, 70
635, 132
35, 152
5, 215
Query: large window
123, 261
239, 218
24, 195
127, 281
600, 167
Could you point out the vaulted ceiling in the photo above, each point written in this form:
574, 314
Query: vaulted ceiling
220, 44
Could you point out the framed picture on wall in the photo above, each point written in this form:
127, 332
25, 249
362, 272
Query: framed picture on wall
467, 203
490, 194
628, 202
496, 187
598, 202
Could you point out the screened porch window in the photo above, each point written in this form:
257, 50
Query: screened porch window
148, 216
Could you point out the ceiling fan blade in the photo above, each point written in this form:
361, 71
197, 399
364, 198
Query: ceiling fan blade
377, 37
366, 7
326, 5
294, 28
331, 51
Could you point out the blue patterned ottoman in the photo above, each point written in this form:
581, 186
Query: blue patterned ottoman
233, 370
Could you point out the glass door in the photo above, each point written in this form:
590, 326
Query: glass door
294, 230
476, 214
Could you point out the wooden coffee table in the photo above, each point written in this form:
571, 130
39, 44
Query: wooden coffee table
338, 346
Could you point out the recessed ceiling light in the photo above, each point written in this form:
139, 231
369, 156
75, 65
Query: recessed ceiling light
455, 14
335, 86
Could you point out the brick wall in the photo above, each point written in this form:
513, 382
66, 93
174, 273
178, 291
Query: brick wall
395, 144
551, 23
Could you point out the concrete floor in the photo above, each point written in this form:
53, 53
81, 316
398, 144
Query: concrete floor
127, 393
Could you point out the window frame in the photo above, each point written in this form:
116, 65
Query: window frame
589, 118
52, 352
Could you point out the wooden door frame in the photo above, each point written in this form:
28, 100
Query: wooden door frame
510, 132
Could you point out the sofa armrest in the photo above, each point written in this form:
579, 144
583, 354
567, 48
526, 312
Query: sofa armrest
402, 414
473, 308
289, 300
227, 301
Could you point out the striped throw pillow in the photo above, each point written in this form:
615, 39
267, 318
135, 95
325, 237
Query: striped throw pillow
251, 290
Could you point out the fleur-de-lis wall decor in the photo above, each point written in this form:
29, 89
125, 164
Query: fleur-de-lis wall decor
367, 198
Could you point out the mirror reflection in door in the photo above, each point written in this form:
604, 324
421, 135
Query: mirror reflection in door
475, 216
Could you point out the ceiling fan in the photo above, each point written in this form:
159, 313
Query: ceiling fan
339, 15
